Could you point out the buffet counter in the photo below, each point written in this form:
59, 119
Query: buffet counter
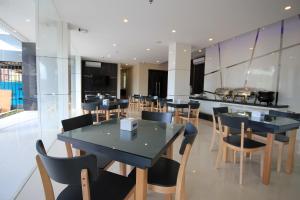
207, 105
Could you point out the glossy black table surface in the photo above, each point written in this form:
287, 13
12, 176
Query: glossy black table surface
181, 104
140, 148
268, 123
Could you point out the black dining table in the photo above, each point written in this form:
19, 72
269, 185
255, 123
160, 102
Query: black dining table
273, 125
140, 148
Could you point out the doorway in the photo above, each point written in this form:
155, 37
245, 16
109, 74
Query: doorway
158, 83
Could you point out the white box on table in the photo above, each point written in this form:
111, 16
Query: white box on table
128, 124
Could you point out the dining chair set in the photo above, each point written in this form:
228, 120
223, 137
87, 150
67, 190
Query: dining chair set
236, 134
87, 177
105, 108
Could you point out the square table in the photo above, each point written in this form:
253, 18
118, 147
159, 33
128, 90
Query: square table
140, 148
273, 125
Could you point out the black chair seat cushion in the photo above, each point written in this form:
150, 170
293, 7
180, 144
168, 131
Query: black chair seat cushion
109, 186
164, 172
235, 140
281, 137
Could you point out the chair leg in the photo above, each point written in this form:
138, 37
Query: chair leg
279, 158
168, 196
219, 156
241, 167
213, 138
261, 163
234, 157
123, 170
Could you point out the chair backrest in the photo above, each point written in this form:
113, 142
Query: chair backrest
124, 103
67, 170
90, 106
234, 122
157, 116
190, 134
194, 105
292, 115
77, 122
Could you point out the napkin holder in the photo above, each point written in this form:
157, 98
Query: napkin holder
128, 124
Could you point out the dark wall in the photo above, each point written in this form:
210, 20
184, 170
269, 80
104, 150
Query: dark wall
99, 79
29, 76
197, 78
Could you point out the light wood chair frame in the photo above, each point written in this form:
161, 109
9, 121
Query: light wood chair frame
179, 189
85, 186
189, 118
222, 151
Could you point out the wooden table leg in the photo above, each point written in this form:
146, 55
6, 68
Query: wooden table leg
268, 159
291, 151
170, 152
141, 183
123, 170
107, 114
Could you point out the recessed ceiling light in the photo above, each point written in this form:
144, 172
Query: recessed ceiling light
126, 64
287, 7
251, 48
27, 20
199, 50
125, 20
14, 31
173, 31
114, 44
210, 39
148, 49
158, 61
108, 55
184, 50
134, 58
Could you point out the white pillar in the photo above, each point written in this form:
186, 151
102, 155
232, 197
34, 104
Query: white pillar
179, 64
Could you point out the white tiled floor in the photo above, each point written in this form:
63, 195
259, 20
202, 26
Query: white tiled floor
203, 180
18, 134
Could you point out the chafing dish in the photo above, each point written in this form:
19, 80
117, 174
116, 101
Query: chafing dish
266, 97
223, 93
244, 94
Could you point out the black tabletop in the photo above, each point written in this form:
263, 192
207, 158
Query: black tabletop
140, 148
268, 123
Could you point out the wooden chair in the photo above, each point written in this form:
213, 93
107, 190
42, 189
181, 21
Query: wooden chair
79, 122
237, 143
167, 176
82, 177
281, 139
92, 108
216, 131
193, 113
156, 116
123, 106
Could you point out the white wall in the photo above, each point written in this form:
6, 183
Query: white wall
139, 77
241, 61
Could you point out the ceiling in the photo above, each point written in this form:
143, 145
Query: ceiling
150, 26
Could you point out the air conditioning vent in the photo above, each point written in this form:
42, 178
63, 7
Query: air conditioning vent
93, 64
199, 61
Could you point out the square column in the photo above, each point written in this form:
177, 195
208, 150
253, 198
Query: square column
179, 65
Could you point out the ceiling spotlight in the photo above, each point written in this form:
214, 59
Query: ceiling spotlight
134, 58
210, 39
126, 64
27, 20
108, 55
199, 50
173, 31
157, 61
148, 49
14, 31
287, 7
114, 44
125, 20
251, 48
184, 50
